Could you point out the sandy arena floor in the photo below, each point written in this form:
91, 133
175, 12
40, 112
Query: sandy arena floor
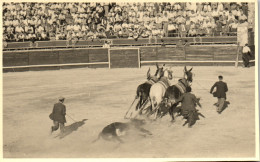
103, 96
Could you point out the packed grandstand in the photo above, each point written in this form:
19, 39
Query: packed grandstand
92, 21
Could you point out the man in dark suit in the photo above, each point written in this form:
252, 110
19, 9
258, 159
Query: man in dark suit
220, 93
188, 107
246, 54
58, 115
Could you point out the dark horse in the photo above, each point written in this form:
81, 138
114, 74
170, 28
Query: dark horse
174, 92
143, 90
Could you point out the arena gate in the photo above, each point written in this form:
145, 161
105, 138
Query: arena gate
124, 58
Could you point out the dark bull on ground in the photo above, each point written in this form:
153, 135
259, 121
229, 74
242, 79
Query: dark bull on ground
114, 131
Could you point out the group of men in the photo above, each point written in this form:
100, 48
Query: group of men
188, 100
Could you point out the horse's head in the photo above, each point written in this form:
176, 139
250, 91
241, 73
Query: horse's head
159, 71
188, 74
168, 73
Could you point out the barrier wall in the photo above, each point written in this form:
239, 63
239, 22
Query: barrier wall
54, 59
124, 57
99, 57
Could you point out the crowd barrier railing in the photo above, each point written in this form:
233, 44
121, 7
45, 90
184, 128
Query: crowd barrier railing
119, 42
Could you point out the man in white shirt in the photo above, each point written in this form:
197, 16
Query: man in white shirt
246, 52
243, 17
20, 37
171, 28
19, 29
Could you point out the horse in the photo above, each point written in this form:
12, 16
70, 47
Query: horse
175, 91
143, 90
158, 90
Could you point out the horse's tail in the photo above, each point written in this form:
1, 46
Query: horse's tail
99, 135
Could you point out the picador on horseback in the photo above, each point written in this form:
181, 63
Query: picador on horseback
174, 92
143, 90
158, 90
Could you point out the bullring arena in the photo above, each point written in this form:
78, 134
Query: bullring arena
99, 77
103, 96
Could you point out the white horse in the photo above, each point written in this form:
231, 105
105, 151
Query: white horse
158, 89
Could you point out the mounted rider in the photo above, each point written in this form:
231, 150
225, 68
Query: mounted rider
174, 92
143, 90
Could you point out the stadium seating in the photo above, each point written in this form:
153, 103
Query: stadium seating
77, 22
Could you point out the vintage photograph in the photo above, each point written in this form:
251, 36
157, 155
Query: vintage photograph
122, 79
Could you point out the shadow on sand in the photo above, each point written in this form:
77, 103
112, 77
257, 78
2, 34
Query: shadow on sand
225, 106
71, 128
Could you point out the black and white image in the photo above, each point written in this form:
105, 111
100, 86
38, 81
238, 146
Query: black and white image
129, 79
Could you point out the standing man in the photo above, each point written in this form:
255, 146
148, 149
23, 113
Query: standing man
220, 93
188, 107
246, 52
58, 115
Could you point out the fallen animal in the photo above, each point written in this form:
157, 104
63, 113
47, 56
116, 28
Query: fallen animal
114, 131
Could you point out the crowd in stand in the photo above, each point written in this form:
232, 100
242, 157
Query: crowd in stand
93, 21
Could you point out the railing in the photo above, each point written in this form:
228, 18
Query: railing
54, 44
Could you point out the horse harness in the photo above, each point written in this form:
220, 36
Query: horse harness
152, 80
164, 82
181, 86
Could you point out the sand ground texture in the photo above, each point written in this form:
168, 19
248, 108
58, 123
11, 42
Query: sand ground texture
103, 96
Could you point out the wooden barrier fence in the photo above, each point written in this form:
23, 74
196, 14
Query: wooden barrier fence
99, 57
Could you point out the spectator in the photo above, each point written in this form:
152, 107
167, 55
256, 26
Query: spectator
243, 17
61, 18
231, 17
215, 14
125, 33
233, 27
19, 29
220, 7
117, 28
20, 37
192, 32
182, 30
172, 29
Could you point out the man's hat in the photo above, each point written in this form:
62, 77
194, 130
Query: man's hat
220, 77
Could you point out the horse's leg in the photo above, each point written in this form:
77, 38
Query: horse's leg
143, 106
148, 109
138, 95
137, 106
158, 113
140, 102
171, 113
153, 109
143, 101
